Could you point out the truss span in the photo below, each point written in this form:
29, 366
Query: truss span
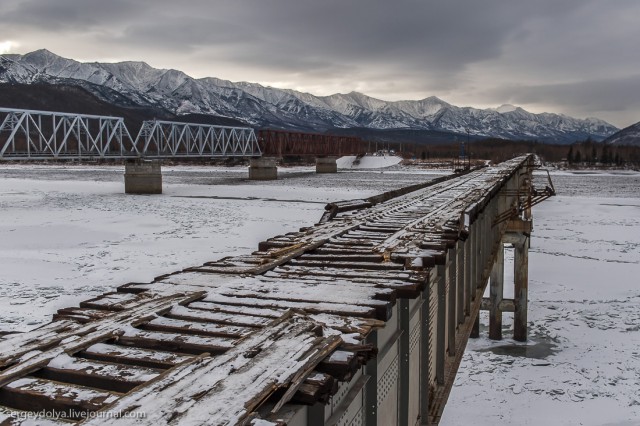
40, 135
26, 134
172, 139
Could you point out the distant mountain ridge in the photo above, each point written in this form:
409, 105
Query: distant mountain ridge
627, 136
138, 84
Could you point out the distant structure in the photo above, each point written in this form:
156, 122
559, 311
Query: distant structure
463, 162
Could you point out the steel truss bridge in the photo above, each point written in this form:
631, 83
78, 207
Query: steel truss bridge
39, 135
42, 135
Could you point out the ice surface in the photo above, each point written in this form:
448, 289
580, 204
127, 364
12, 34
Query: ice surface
69, 233
582, 363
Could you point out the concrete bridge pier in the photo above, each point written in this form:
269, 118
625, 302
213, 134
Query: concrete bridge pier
263, 168
521, 292
496, 294
142, 177
517, 235
326, 165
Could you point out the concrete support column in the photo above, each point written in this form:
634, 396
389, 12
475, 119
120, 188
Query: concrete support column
496, 292
521, 284
263, 168
142, 177
326, 165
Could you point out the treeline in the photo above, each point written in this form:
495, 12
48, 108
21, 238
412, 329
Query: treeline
589, 153
585, 153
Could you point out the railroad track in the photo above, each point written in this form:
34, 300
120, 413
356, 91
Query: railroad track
234, 340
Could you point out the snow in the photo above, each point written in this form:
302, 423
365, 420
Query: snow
68, 233
148, 86
582, 362
506, 108
368, 161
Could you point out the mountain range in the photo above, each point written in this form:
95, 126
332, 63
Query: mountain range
172, 92
627, 136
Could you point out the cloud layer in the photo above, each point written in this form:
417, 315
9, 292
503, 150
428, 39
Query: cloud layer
577, 57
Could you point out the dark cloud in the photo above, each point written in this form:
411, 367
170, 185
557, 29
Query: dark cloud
69, 15
604, 97
402, 49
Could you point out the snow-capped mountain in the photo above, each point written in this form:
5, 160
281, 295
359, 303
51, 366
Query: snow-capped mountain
176, 92
627, 136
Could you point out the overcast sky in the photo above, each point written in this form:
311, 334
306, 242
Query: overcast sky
577, 57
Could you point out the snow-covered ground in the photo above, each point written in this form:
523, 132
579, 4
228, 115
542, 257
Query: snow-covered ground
69, 232
582, 363
368, 161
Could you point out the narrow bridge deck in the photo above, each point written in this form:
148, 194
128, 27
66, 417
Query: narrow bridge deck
251, 337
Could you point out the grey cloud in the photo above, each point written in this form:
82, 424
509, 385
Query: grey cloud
70, 15
396, 49
591, 95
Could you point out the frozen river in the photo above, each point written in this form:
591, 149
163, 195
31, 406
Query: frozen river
582, 363
69, 232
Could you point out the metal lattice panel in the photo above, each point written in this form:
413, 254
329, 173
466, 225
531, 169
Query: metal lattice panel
414, 338
388, 381
358, 419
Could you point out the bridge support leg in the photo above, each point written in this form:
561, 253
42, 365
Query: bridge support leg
263, 169
142, 177
475, 330
521, 278
496, 292
520, 241
326, 165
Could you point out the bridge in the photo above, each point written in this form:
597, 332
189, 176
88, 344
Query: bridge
46, 135
362, 318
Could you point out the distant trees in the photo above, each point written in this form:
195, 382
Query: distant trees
593, 153
579, 154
